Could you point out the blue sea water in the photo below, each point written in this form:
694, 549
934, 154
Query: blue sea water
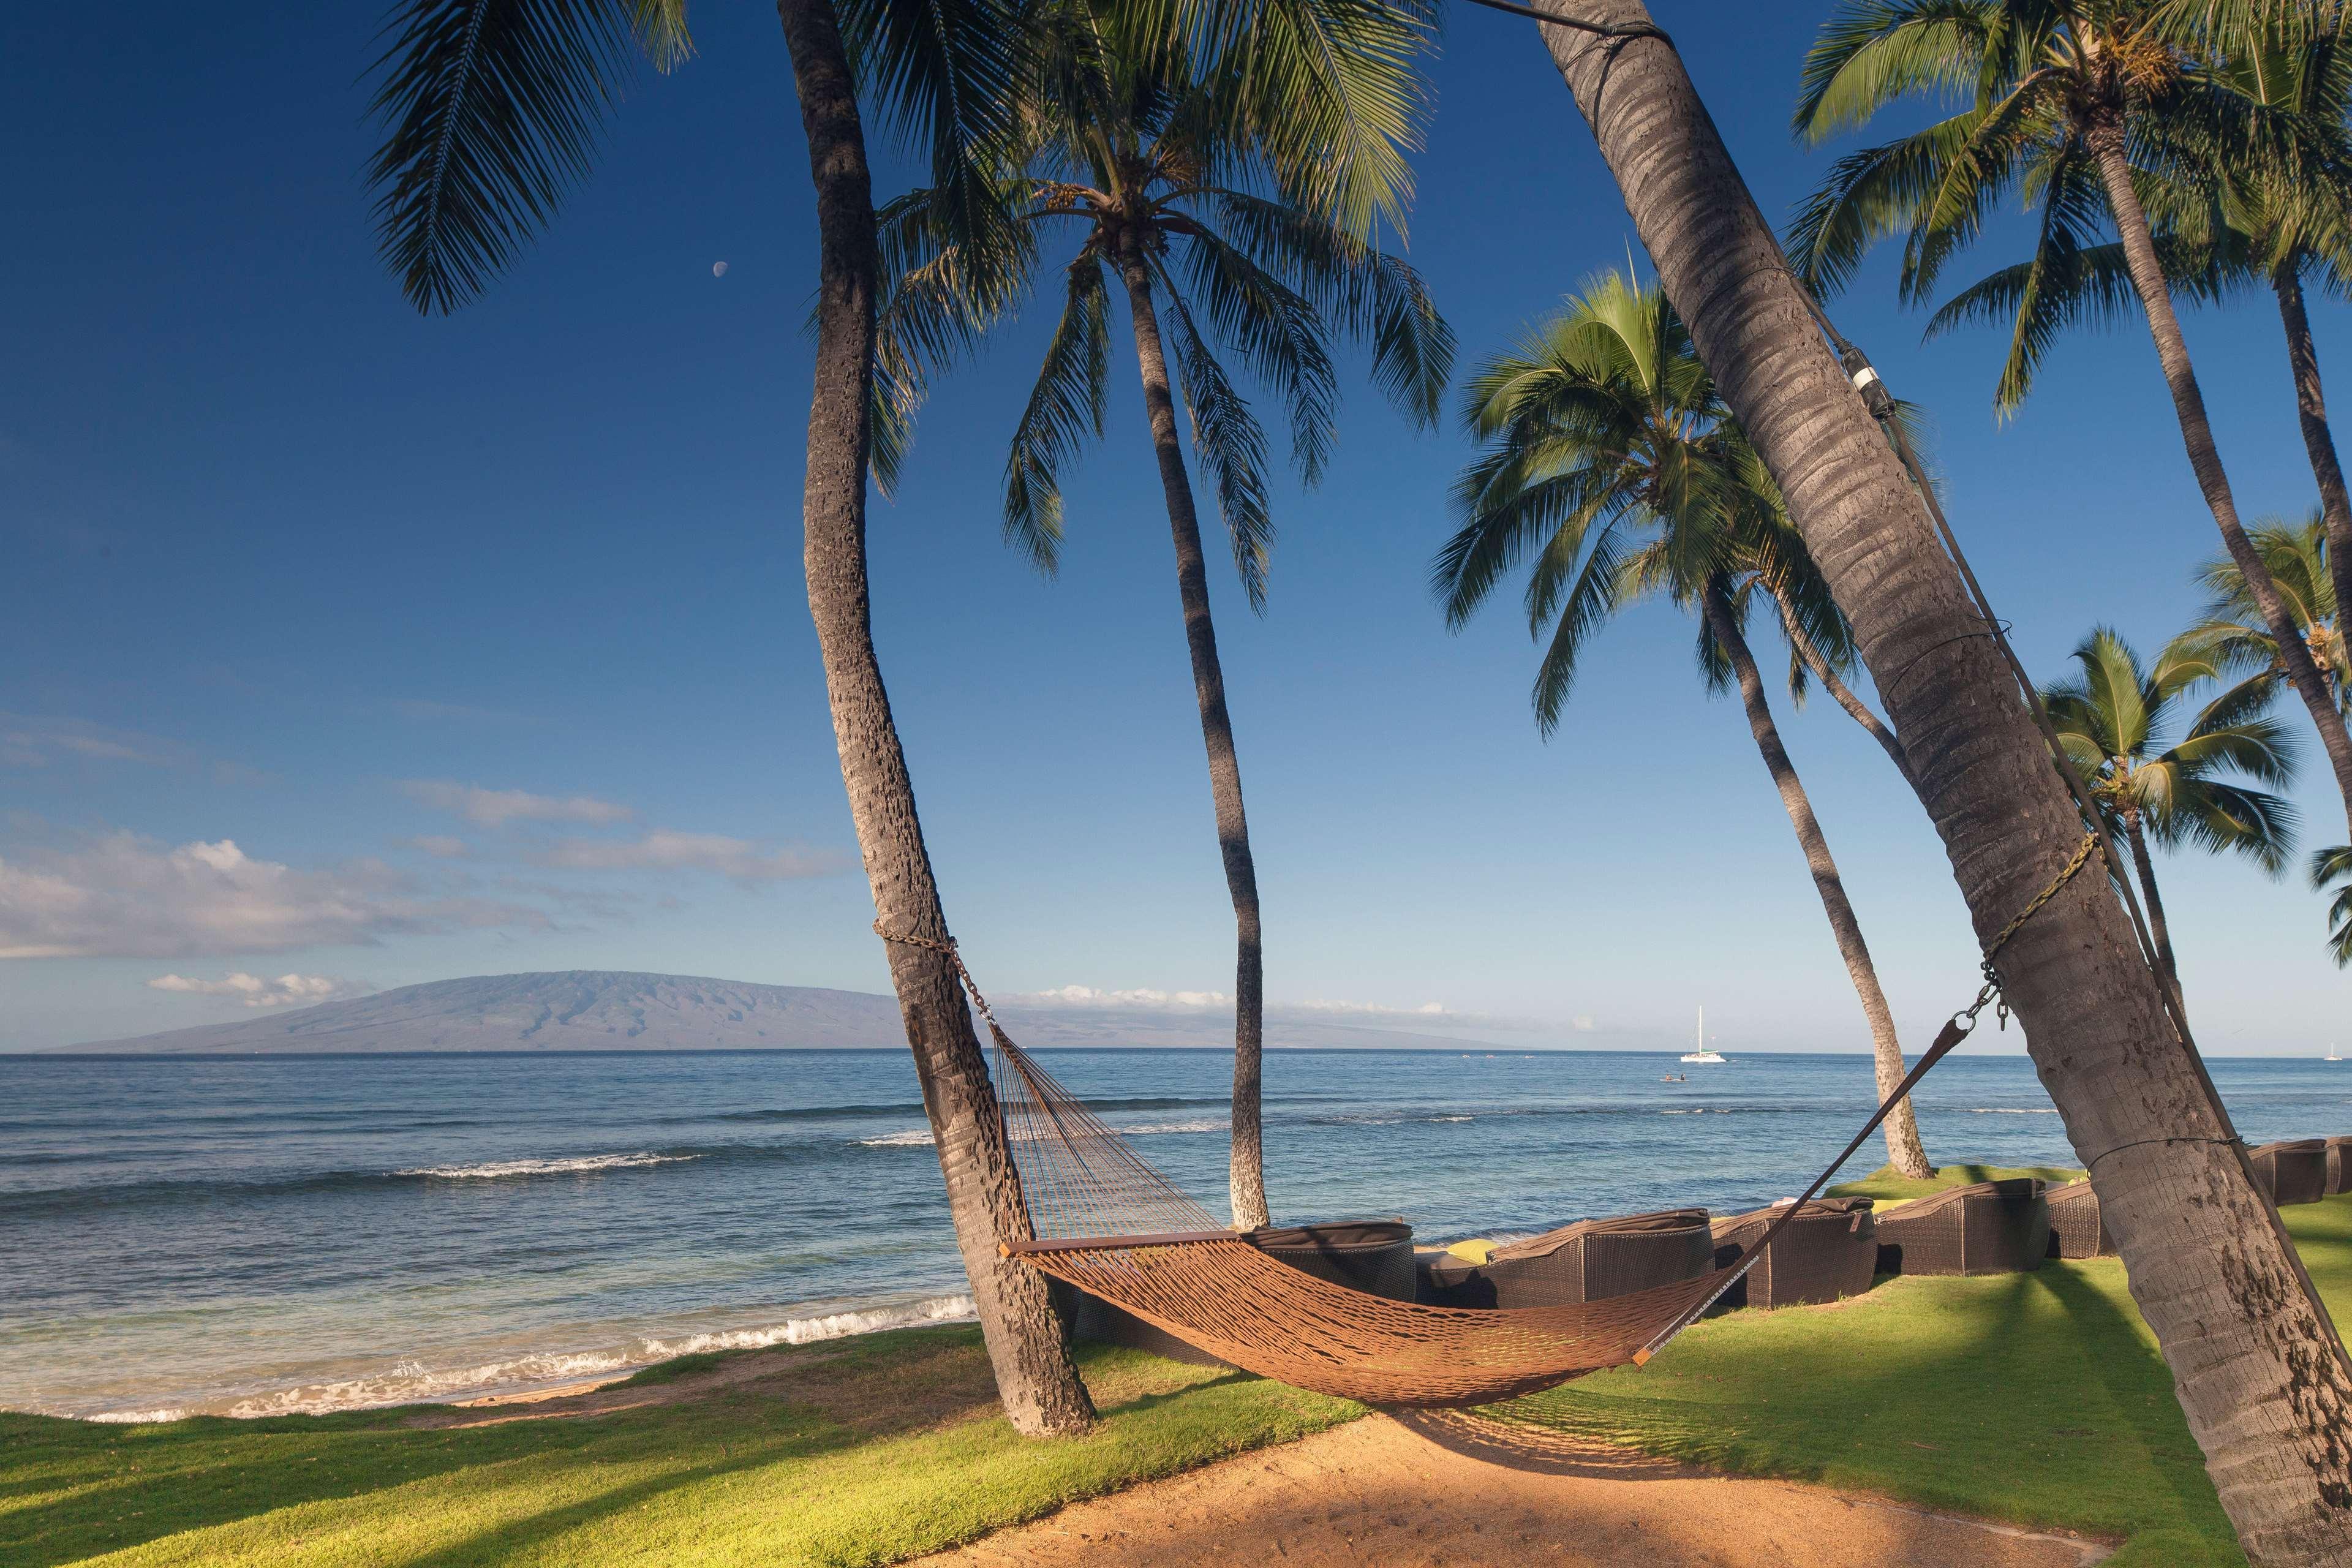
262, 1234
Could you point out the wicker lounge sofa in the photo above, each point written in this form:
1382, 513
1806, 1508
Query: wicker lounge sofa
2078, 1229
1587, 1262
2339, 1165
1992, 1227
1371, 1256
1374, 1256
1828, 1251
2293, 1172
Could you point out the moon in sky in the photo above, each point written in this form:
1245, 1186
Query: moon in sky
718, 270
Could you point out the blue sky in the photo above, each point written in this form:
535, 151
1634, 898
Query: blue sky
482, 638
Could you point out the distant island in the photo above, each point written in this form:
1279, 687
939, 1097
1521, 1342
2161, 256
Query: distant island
619, 1010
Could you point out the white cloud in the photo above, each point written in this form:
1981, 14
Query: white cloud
497, 808
123, 896
286, 991
439, 845
661, 849
1087, 996
30, 741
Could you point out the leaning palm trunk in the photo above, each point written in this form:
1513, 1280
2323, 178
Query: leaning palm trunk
1035, 1376
1842, 695
2261, 1375
2205, 457
2146, 867
1248, 1169
1901, 1127
2318, 437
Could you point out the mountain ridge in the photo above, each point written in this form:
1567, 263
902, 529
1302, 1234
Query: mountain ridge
623, 1010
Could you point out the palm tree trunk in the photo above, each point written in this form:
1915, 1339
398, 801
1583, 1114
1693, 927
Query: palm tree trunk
1249, 1167
1035, 1376
2205, 458
2145, 868
1840, 693
2318, 439
2260, 1372
1902, 1129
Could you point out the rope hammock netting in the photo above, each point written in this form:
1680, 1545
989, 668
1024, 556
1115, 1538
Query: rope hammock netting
1103, 1220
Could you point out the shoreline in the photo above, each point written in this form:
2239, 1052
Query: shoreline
405, 1382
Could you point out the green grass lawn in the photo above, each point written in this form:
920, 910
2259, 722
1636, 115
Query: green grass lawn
1888, 1187
2035, 1398
879, 1449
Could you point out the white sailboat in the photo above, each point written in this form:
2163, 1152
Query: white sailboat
1702, 1054
2331, 1056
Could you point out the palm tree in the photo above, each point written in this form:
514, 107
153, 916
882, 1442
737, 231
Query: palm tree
493, 110
2234, 636
2061, 95
2112, 715
2258, 1365
1607, 461
2220, 227
1165, 177
2336, 866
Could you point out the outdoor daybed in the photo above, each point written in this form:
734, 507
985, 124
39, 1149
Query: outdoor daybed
2293, 1172
1374, 1256
1829, 1250
1371, 1256
1992, 1227
1587, 1262
2339, 1165
2076, 1227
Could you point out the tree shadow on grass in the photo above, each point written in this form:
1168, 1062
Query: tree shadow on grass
134, 1486
504, 1543
2033, 1398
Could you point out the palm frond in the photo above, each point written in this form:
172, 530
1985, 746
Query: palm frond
493, 110
1064, 407
945, 75
1328, 90
1279, 333
1869, 56
1227, 437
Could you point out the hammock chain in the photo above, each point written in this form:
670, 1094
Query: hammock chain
1992, 992
971, 986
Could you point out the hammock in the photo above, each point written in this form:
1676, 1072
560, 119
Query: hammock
1105, 1221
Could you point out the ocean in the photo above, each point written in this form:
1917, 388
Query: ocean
258, 1236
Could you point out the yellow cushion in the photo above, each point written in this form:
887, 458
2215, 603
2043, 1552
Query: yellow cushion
1477, 1250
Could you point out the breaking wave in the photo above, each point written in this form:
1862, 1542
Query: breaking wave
412, 1383
497, 1170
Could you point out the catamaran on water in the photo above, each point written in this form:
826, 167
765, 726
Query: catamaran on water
1702, 1054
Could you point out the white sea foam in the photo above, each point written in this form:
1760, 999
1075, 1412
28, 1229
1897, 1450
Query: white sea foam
1453, 1118
2013, 1111
1202, 1124
412, 1383
916, 1138
494, 1169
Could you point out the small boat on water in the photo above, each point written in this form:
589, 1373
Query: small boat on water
1702, 1054
2331, 1056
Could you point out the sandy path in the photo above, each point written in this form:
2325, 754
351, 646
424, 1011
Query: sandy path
1452, 1491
